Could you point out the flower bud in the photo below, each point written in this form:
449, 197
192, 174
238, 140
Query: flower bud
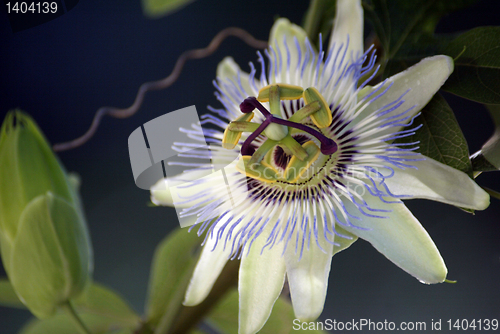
45, 245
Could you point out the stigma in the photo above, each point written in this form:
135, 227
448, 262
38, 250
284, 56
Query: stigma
290, 147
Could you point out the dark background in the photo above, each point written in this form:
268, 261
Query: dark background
100, 52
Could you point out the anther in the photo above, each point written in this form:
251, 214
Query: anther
328, 146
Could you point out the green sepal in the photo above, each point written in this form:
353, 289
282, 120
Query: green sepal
50, 259
29, 169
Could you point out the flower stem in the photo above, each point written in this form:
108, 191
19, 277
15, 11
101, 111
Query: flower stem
68, 307
189, 317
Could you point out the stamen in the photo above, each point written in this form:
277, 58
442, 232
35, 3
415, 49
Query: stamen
287, 92
232, 136
323, 117
297, 168
307, 110
243, 126
294, 147
328, 146
261, 152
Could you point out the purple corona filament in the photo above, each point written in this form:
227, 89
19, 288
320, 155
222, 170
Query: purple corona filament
328, 146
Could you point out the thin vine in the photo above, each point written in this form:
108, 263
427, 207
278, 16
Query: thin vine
161, 84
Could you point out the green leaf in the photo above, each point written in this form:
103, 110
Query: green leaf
480, 164
63, 324
99, 300
51, 256
488, 158
224, 317
8, 295
440, 136
100, 308
172, 267
415, 48
477, 65
402, 25
96, 300
158, 8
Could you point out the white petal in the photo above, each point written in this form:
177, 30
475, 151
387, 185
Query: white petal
160, 195
422, 81
401, 238
187, 189
439, 182
282, 31
229, 70
207, 270
308, 277
177, 190
261, 280
348, 22
284, 28
233, 85
342, 243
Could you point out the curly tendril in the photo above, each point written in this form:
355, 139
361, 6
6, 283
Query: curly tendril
161, 84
